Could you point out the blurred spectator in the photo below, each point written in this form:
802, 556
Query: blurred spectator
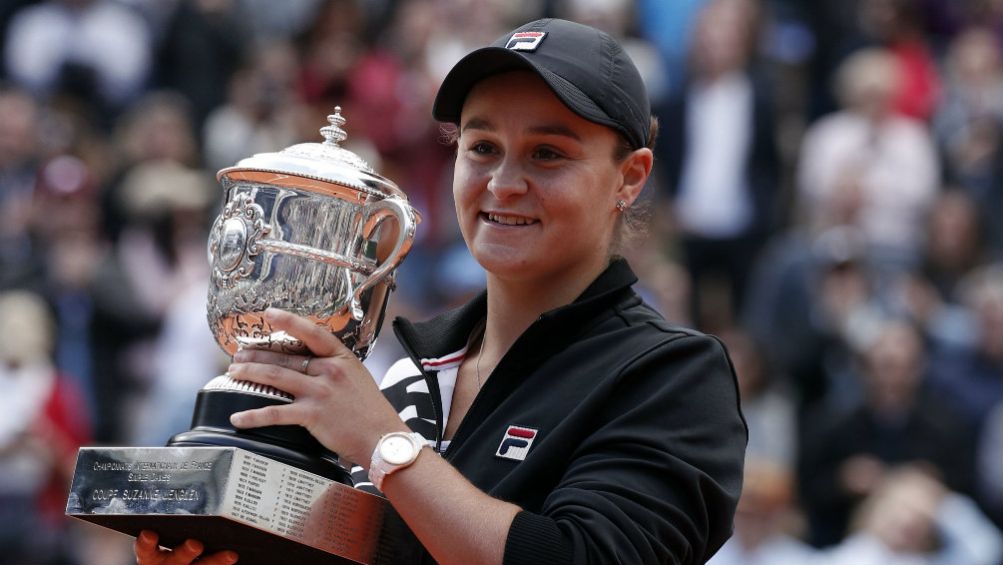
329, 50
835, 33
869, 168
971, 375
270, 20
19, 156
840, 29
7, 11
473, 23
819, 295
897, 25
668, 25
66, 226
665, 285
718, 159
261, 109
767, 407
40, 431
970, 116
202, 45
158, 127
912, 519
954, 242
159, 267
766, 520
159, 255
953, 248
944, 19
97, 51
846, 454
184, 355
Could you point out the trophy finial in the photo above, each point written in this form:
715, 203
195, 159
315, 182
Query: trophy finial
333, 134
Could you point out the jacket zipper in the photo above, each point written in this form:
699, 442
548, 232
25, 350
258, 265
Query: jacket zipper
435, 395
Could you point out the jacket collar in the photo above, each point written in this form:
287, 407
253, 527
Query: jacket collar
450, 331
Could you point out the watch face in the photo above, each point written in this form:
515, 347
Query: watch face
396, 450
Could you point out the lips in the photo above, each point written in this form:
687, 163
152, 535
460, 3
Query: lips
508, 219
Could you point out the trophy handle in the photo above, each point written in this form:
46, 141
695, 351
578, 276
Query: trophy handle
376, 213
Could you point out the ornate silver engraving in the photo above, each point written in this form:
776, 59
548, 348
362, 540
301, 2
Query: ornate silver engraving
236, 239
226, 382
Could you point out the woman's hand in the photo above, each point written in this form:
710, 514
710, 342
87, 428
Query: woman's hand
336, 399
149, 553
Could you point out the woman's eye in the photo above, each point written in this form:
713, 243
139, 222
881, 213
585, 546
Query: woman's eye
545, 154
482, 148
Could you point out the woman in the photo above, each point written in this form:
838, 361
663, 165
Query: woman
572, 423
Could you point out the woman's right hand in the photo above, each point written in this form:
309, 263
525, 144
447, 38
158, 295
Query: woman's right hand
149, 553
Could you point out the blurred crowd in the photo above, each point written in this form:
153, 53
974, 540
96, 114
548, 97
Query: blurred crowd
827, 198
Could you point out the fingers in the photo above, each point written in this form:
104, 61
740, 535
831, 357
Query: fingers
276, 415
185, 553
148, 552
298, 363
293, 382
317, 338
146, 548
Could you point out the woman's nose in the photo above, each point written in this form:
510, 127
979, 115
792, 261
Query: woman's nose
507, 179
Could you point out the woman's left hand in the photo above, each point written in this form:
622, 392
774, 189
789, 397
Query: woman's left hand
336, 398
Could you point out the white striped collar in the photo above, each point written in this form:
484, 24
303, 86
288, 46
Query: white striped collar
450, 361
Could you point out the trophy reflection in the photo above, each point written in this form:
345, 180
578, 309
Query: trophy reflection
314, 230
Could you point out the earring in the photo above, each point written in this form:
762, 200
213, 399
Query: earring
621, 205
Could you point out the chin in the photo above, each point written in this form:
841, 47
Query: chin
507, 266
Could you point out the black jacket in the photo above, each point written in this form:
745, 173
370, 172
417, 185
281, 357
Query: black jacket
639, 441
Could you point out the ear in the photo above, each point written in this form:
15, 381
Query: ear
634, 172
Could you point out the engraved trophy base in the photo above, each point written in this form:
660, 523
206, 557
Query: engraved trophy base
229, 498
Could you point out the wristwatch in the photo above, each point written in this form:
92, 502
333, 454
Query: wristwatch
393, 452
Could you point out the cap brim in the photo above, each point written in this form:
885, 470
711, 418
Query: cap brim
490, 61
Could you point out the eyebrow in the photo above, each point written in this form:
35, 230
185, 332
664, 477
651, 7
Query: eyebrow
478, 123
543, 129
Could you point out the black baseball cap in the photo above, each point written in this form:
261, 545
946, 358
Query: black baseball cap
586, 68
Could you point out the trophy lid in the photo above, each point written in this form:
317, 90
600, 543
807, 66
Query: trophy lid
325, 162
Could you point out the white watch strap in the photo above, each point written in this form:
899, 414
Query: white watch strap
379, 469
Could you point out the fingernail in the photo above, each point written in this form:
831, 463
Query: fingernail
193, 546
230, 557
240, 355
237, 419
146, 536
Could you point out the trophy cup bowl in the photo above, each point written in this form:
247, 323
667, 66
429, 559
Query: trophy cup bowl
313, 230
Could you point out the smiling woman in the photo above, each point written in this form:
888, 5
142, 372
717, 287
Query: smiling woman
555, 418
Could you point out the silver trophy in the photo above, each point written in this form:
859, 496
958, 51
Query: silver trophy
304, 230
311, 229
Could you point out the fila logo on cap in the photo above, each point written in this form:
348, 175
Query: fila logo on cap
516, 443
525, 40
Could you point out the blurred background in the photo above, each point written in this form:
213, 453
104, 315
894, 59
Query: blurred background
827, 198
